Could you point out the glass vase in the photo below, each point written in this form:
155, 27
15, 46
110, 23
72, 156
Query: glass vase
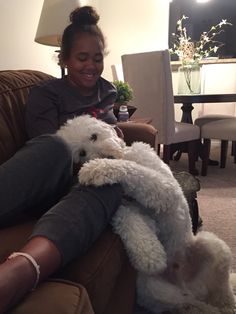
189, 79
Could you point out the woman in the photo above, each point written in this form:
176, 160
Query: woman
42, 170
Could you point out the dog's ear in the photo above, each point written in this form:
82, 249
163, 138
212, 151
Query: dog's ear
79, 154
111, 127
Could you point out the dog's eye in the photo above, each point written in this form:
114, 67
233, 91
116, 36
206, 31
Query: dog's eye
82, 153
93, 137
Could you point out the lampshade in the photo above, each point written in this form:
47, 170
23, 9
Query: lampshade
53, 20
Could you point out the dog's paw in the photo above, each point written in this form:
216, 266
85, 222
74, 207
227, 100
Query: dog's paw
92, 173
99, 172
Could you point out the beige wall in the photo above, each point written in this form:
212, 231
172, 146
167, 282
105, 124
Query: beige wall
129, 25
19, 20
133, 26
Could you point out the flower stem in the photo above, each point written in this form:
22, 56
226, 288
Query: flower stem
187, 74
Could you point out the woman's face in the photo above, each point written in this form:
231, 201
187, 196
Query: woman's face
85, 64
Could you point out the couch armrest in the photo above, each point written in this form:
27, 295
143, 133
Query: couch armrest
136, 131
56, 297
106, 273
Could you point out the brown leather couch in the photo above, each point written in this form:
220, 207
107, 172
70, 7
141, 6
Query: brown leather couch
102, 281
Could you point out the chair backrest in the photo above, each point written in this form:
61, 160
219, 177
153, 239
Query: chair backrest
117, 72
149, 75
212, 82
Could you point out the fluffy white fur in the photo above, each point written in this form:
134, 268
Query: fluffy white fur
176, 270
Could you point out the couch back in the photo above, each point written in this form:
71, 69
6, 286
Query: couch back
14, 90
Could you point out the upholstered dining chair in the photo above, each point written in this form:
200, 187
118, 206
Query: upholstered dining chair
117, 72
149, 75
215, 117
211, 82
224, 130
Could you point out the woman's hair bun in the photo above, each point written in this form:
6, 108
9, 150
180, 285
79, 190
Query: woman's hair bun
84, 16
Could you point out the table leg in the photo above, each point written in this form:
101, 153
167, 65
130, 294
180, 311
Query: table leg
187, 113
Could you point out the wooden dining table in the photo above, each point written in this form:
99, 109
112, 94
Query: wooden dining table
188, 100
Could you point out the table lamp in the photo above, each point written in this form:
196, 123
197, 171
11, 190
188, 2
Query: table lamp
53, 20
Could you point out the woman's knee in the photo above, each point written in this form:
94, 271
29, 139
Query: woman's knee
53, 147
75, 222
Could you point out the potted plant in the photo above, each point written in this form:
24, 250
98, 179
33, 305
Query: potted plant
124, 95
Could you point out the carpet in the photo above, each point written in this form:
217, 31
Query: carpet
217, 197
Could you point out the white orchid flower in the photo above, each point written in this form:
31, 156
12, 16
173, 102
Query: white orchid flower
202, 48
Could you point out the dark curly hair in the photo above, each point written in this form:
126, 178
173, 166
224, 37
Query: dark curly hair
83, 20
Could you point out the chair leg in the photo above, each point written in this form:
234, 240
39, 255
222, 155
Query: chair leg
205, 155
223, 153
166, 154
158, 149
199, 149
192, 156
233, 150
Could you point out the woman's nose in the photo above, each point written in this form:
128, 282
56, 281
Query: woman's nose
90, 63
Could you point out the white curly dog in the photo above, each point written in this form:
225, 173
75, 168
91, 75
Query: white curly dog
177, 271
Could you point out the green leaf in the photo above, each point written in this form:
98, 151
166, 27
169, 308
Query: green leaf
124, 92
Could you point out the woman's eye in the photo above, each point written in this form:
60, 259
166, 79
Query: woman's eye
98, 58
93, 137
82, 59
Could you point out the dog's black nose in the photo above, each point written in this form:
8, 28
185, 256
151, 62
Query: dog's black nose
82, 153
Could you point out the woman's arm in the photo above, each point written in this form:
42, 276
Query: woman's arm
41, 114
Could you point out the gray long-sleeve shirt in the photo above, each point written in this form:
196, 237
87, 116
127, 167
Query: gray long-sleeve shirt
52, 103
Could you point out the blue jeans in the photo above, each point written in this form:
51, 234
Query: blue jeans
40, 176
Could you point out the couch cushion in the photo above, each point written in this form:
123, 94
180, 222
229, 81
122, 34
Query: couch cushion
56, 297
13, 238
101, 267
14, 89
